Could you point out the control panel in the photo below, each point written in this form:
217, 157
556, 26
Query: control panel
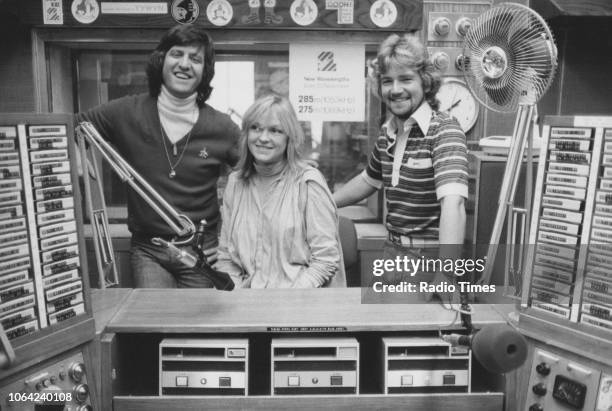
314, 366
557, 384
424, 364
190, 366
62, 384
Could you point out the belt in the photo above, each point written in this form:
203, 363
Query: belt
413, 241
146, 238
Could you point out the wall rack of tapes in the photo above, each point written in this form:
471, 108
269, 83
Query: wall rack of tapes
41, 253
571, 230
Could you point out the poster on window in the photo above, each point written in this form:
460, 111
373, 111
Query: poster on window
327, 81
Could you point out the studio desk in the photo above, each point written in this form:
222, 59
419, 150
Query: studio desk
132, 323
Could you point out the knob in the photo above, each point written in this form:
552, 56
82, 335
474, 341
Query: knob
441, 60
77, 371
62, 375
442, 26
543, 368
539, 389
463, 25
315, 380
85, 407
53, 380
81, 392
536, 407
461, 62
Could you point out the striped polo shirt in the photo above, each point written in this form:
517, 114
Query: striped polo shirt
434, 165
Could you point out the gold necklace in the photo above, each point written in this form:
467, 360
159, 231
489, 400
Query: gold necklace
172, 172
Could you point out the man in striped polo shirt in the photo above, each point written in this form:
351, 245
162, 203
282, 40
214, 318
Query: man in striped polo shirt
420, 159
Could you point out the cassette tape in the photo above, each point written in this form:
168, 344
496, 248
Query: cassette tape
570, 132
552, 285
65, 302
11, 212
603, 197
46, 143
10, 185
576, 169
8, 132
598, 272
600, 286
16, 305
13, 238
63, 290
604, 222
555, 250
563, 191
8, 158
48, 155
58, 254
22, 330
18, 318
66, 314
9, 172
14, 265
564, 179
554, 273
16, 291
606, 160
15, 251
597, 298
552, 261
598, 322
8, 280
60, 266
548, 296
563, 215
51, 180
8, 198
551, 308
15, 224
569, 144
51, 193
7, 145
601, 235
58, 241
563, 203
559, 226
604, 210
606, 184
55, 167
47, 130
600, 248
54, 205
599, 260
570, 157
607, 172
556, 238
55, 216
56, 229
598, 311
61, 278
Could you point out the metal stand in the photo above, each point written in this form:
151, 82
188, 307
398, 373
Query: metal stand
520, 137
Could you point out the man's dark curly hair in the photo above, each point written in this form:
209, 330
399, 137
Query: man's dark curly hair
182, 35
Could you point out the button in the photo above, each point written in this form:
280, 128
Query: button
315, 380
225, 381
407, 380
182, 381
335, 380
203, 381
543, 369
539, 389
293, 381
448, 379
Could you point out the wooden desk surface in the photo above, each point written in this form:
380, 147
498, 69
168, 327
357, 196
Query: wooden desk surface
105, 304
278, 310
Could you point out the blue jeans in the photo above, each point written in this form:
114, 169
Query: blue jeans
155, 267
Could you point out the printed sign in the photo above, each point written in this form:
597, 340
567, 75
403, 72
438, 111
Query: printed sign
134, 8
53, 12
219, 12
383, 13
346, 10
85, 11
303, 12
327, 81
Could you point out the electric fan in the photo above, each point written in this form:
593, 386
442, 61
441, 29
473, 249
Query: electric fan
509, 63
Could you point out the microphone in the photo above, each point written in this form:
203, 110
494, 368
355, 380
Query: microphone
499, 348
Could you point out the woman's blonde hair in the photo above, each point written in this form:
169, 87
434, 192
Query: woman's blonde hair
282, 108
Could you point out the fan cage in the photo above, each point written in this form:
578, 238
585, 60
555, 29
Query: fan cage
530, 57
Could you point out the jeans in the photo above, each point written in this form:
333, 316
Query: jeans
155, 267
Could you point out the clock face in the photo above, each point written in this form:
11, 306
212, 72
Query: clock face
455, 98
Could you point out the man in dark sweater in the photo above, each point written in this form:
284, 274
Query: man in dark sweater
179, 144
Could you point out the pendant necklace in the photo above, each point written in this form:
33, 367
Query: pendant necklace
172, 173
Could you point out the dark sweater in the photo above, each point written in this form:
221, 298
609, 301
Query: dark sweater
132, 125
